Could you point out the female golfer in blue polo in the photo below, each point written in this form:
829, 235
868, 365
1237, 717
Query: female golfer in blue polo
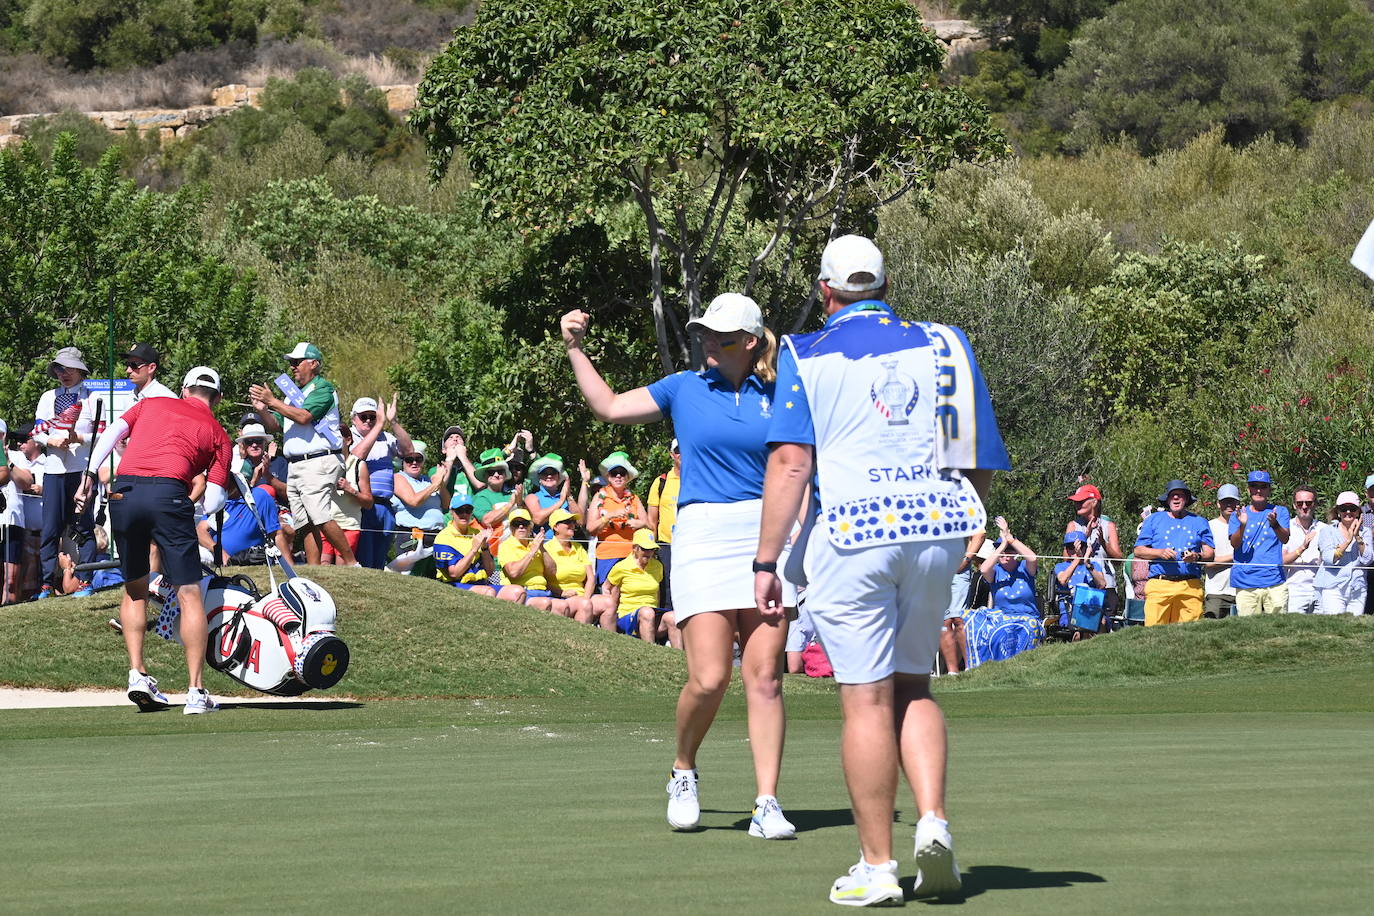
720, 416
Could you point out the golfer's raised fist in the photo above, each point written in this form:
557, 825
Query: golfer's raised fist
574, 327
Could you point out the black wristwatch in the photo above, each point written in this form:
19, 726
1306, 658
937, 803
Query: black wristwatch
766, 567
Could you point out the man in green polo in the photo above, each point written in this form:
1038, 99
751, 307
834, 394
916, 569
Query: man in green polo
308, 416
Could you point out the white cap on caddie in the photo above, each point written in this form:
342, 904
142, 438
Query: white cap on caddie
363, 405
203, 376
853, 264
732, 312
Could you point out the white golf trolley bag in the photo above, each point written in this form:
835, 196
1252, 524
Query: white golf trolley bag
282, 643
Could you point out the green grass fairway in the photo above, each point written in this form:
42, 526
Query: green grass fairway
1245, 794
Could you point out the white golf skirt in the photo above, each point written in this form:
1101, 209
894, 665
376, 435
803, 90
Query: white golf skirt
714, 545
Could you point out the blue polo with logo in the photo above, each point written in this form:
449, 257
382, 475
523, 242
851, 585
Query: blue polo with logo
1013, 592
1259, 558
723, 434
1162, 531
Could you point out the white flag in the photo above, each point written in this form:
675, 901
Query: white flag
1363, 258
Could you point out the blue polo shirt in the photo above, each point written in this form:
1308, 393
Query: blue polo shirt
723, 434
1014, 592
1161, 530
240, 531
1259, 558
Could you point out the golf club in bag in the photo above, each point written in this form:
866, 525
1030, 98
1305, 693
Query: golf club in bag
283, 643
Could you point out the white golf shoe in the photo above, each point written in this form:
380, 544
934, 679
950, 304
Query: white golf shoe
198, 701
937, 873
869, 885
768, 821
684, 808
143, 691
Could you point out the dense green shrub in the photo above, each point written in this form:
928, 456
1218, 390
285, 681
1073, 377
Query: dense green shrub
1164, 71
974, 211
350, 116
1178, 320
133, 33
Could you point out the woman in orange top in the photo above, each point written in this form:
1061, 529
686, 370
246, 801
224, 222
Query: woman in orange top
615, 514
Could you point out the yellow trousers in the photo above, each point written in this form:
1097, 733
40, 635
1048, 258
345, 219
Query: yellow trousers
1172, 602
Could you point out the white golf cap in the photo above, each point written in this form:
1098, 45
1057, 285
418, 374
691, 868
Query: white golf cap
1348, 498
364, 405
853, 264
203, 376
732, 312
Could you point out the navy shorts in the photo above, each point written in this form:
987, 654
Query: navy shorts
155, 510
13, 536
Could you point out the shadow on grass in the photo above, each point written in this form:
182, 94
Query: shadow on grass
804, 820
983, 878
303, 704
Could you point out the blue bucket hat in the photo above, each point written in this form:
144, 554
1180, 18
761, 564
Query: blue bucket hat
1178, 485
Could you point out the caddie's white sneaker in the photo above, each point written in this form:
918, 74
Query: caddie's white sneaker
143, 691
768, 821
684, 808
198, 700
937, 874
869, 885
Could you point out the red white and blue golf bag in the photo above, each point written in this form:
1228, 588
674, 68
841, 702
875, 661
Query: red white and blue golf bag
282, 643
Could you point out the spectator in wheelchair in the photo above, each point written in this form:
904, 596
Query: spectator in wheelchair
1078, 568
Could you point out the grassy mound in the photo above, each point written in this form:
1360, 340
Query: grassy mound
408, 638
1237, 646
416, 638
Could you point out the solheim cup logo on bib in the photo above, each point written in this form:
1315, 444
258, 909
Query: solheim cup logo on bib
895, 396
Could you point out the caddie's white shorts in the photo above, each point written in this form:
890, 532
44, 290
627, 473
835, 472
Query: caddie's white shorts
878, 610
714, 545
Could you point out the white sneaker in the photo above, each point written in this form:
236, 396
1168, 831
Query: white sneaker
937, 874
869, 885
684, 808
198, 700
143, 691
768, 821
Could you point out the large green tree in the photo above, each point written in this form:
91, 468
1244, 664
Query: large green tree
74, 240
776, 125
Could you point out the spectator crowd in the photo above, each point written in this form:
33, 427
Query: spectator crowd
353, 489
583, 542
1253, 557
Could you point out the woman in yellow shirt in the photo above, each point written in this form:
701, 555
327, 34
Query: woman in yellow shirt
633, 585
574, 578
524, 564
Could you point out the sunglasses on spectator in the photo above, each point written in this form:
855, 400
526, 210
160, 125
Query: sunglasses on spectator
134, 366
414, 459
617, 472
255, 443
293, 363
1304, 502
1347, 508
367, 417
549, 472
501, 471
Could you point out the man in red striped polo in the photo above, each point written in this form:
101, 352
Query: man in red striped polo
171, 441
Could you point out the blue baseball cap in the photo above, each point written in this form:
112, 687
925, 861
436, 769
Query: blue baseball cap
1258, 477
459, 500
1072, 536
